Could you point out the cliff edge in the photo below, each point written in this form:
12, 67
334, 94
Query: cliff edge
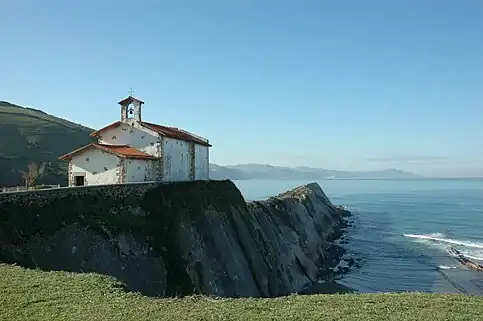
177, 238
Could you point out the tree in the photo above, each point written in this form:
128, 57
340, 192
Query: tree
33, 140
33, 172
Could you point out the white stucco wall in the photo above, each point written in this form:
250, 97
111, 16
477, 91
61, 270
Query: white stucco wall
138, 137
177, 160
98, 167
176, 153
202, 160
140, 170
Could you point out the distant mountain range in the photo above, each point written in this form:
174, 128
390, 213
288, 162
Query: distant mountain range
28, 134
260, 171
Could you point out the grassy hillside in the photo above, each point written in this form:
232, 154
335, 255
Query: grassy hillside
27, 135
35, 295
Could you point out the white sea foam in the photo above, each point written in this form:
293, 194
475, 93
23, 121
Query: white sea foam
438, 237
445, 267
470, 249
473, 257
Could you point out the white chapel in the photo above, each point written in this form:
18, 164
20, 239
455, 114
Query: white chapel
132, 150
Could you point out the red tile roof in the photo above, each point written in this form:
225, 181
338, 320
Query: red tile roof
176, 133
119, 150
113, 125
171, 132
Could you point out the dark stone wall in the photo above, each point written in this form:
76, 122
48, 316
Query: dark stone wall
175, 238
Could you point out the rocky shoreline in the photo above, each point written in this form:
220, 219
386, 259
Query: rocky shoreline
342, 264
177, 239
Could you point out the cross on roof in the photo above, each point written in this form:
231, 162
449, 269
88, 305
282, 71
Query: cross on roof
131, 93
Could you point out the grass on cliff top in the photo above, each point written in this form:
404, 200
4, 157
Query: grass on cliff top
35, 295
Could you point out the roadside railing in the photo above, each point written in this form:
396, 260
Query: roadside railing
24, 188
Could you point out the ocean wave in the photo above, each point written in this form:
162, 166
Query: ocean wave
445, 267
476, 258
470, 249
439, 237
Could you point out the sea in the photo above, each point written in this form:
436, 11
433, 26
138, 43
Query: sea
402, 231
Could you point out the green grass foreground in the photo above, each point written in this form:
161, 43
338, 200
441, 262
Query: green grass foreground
35, 295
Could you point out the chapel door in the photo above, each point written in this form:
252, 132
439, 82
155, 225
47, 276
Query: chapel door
79, 180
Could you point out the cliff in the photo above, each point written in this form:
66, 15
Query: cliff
176, 238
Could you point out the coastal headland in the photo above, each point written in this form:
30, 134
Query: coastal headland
114, 252
177, 239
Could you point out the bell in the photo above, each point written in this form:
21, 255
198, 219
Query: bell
131, 112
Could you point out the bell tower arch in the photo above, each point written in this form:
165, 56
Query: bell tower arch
131, 109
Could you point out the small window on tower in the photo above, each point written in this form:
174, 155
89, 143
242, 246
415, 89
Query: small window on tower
130, 111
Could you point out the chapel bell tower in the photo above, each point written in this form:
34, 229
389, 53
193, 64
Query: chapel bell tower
130, 109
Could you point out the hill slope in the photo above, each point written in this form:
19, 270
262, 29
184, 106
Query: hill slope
27, 135
222, 172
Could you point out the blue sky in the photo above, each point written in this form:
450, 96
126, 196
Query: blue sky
357, 85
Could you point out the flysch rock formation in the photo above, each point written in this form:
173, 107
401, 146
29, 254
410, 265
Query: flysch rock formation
177, 238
